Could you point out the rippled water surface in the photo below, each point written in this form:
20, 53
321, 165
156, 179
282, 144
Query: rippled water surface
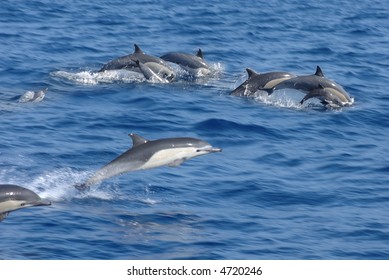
293, 181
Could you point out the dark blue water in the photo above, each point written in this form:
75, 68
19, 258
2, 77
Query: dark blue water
292, 182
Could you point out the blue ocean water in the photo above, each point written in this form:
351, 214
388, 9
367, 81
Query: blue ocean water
293, 181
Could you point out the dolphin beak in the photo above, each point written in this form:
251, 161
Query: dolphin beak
209, 149
216, 150
36, 203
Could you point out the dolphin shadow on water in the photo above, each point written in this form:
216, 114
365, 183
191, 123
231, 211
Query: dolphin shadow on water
13, 197
146, 154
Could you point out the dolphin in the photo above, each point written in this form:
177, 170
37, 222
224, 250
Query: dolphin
328, 97
194, 64
256, 81
33, 96
155, 72
316, 85
13, 197
146, 154
128, 62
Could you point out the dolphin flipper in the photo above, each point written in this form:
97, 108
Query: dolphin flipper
3, 216
306, 97
313, 93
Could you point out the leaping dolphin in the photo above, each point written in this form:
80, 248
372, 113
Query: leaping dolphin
317, 85
193, 64
13, 197
256, 82
146, 154
128, 62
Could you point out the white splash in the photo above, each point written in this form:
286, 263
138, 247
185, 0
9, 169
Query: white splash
94, 78
58, 185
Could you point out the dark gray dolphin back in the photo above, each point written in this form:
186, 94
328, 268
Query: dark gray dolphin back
14, 192
256, 81
309, 83
142, 149
129, 61
187, 60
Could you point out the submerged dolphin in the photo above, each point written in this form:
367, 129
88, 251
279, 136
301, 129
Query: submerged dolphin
317, 85
155, 72
128, 62
146, 154
33, 96
256, 81
194, 64
13, 197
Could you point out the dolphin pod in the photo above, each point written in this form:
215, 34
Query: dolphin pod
129, 62
146, 154
13, 197
317, 85
156, 69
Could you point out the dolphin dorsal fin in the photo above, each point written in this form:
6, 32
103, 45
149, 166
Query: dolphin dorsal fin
251, 72
137, 140
137, 49
200, 54
319, 72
